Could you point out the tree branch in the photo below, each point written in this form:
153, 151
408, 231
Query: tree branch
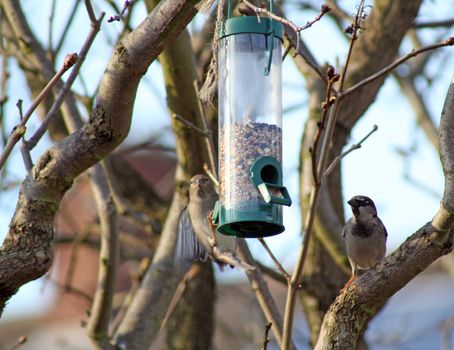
19, 130
143, 318
262, 293
27, 251
386, 70
100, 314
434, 24
52, 113
370, 292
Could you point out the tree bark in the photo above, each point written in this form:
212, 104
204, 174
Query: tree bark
27, 251
191, 325
363, 298
376, 47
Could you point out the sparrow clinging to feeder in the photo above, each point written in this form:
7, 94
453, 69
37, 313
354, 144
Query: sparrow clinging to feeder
365, 236
197, 236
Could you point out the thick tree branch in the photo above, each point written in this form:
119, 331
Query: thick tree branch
143, 318
101, 309
262, 293
376, 47
26, 253
148, 308
363, 298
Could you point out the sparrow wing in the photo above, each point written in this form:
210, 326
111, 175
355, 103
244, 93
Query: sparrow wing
382, 226
346, 227
188, 247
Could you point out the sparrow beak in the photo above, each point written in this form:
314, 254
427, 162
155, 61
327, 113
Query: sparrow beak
353, 203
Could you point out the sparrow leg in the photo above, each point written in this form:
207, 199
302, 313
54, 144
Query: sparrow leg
212, 238
350, 281
353, 277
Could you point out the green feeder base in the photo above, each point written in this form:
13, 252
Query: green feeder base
263, 222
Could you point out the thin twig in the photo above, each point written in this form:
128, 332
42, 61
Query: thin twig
420, 108
72, 16
267, 338
392, 66
26, 156
276, 262
127, 6
91, 13
212, 177
329, 100
119, 316
191, 125
262, 292
73, 290
4, 78
353, 31
261, 12
20, 129
209, 135
447, 330
51, 27
39, 133
178, 294
275, 275
434, 24
74, 254
352, 148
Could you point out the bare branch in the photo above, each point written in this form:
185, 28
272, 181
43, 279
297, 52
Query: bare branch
272, 273
208, 135
369, 293
106, 128
72, 15
266, 340
127, 6
392, 66
97, 326
261, 12
318, 169
191, 125
422, 114
276, 262
352, 148
39, 133
262, 292
19, 130
434, 24
212, 176
353, 30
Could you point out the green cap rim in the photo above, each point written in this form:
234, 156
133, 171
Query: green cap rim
250, 24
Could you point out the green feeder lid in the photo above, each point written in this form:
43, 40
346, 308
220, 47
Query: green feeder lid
250, 24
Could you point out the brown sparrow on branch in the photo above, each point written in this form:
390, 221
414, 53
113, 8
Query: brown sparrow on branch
365, 236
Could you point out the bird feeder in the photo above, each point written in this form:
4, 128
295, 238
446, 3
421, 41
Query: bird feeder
250, 127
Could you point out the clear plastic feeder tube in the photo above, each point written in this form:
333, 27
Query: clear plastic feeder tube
250, 118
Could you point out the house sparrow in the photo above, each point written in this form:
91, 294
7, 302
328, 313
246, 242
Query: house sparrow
365, 236
197, 236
